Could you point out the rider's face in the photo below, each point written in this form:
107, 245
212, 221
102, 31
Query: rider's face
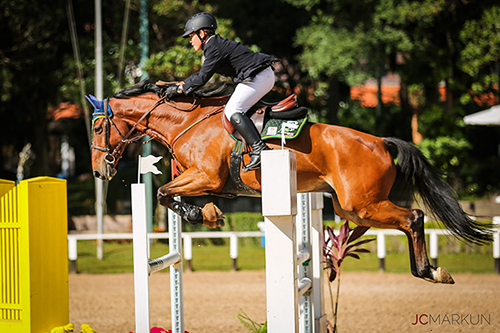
195, 41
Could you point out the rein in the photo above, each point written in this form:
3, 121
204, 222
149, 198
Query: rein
208, 115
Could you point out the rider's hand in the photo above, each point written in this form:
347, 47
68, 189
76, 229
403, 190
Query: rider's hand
173, 90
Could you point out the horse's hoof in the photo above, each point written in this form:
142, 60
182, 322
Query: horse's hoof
441, 275
212, 216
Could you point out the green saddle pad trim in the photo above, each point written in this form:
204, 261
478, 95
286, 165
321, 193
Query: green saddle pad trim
273, 127
238, 146
272, 130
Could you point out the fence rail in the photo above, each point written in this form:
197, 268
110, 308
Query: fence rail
235, 235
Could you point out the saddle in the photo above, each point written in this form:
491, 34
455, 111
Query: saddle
263, 111
268, 119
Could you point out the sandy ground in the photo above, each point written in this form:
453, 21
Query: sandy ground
369, 302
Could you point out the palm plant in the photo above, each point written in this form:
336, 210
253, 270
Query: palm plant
336, 249
251, 325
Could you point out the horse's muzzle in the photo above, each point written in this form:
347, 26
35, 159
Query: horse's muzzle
108, 175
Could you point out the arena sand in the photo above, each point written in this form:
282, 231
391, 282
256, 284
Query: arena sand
369, 302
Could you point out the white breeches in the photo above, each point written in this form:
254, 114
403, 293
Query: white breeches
246, 94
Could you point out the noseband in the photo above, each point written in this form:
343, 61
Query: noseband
114, 154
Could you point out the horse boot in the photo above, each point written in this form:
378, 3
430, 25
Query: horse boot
246, 128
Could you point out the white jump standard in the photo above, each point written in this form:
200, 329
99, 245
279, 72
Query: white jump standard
143, 267
279, 207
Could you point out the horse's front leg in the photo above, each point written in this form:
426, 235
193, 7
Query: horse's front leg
191, 183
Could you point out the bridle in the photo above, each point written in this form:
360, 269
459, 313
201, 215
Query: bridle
113, 154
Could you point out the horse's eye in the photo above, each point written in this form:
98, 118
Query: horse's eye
98, 130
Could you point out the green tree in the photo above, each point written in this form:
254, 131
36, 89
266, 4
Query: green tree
427, 43
480, 56
31, 51
345, 44
38, 70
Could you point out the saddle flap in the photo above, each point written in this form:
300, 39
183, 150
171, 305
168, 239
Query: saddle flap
227, 124
257, 117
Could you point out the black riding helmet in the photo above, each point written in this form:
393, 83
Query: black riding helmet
200, 21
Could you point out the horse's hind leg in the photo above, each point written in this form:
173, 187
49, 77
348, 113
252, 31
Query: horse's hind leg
386, 215
420, 266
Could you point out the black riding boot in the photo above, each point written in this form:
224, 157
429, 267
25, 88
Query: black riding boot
247, 129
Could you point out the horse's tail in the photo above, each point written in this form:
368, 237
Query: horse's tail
437, 195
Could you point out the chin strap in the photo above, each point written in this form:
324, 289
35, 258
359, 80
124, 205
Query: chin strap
203, 40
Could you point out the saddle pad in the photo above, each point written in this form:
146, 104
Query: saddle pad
292, 128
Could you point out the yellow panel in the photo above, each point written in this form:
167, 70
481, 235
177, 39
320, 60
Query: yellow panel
33, 259
10, 228
6, 186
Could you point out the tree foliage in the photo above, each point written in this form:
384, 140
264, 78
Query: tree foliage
31, 51
326, 46
428, 44
480, 56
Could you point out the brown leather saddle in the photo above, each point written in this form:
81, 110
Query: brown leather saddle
258, 112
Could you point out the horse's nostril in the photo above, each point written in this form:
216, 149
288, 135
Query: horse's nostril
97, 174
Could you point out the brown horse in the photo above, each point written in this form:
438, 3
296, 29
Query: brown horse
355, 167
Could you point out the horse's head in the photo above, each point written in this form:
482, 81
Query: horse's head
107, 139
114, 130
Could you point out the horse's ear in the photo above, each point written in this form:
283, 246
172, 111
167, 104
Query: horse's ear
94, 101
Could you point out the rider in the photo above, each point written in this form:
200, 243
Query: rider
251, 71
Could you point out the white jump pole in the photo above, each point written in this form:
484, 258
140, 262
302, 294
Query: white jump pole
312, 317
294, 243
143, 267
304, 262
316, 270
279, 207
141, 258
176, 286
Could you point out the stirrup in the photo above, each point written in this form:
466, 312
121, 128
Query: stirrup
255, 157
252, 165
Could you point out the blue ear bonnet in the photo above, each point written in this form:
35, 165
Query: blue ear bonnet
98, 108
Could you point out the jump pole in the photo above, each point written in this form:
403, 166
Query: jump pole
143, 267
289, 245
176, 286
279, 207
309, 238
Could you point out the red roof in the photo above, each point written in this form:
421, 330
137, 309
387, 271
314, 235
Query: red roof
367, 93
65, 110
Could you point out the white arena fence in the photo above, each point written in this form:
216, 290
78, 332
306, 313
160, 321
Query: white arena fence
233, 237
187, 237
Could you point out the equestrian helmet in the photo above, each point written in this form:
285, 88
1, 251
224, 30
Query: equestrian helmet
200, 21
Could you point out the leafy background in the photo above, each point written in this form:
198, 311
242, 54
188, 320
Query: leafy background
326, 47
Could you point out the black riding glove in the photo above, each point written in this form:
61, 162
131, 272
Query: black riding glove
172, 91
151, 87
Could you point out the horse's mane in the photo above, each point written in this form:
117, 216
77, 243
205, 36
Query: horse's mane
135, 90
146, 86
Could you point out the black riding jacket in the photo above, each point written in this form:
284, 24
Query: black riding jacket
228, 58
